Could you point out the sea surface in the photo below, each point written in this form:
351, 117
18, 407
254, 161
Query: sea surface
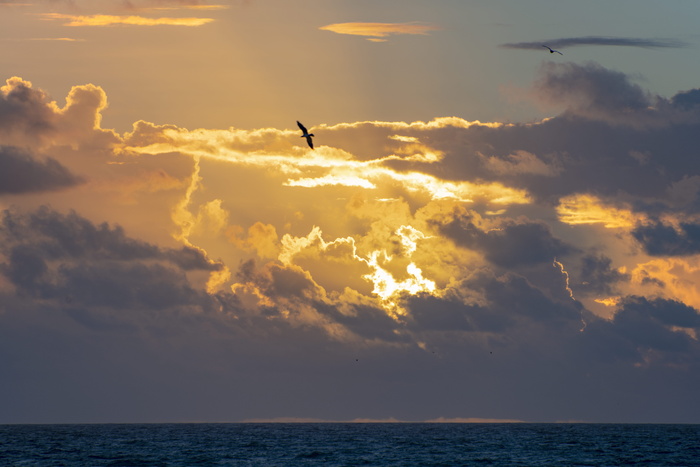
348, 444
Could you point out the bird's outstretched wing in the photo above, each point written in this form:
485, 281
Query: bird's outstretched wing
551, 50
302, 127
310, 141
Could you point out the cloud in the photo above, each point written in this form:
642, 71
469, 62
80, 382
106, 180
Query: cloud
111, 20
686, 100
235, 274
378, 31
521, 162
649, 322
29, 118
55, 256
56, 39
660, 239
506, 244
599, 91
23, 108
195, 4
22, 173
597, 276
564, 42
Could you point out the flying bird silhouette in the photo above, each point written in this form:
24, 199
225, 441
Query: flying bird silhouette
306, 134
552, 51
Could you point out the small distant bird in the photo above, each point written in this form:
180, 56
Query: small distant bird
552, 51
306, 134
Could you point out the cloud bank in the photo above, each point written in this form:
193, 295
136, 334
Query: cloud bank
441, 270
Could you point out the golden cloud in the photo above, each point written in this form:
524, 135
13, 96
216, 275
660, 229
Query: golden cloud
261, 238
392, 275
57, 39
111, 20
674, 278
589, 209
326, 166
190, 7
377, 31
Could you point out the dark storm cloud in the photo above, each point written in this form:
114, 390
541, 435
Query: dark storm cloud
508, 245
564, 42
22, 173
659, 239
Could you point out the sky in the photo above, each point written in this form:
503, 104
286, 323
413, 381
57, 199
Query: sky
484, 230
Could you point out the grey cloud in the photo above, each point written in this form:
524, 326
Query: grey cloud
365, 321
686, 100
516, 295
128, 286
451, 314
510, 244
52, 255
591, 89
600, 41
70, 236
646, 323
612, 138
278, 281
22, 173
596, 144
25, 109
508, 302
659, 239
597, 276
229, 363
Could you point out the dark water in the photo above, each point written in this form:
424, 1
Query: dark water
349, 444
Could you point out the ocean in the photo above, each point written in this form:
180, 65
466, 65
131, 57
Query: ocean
349, 444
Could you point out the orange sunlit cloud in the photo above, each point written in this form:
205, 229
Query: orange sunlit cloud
589, 209
675, 278
377, 31
59, 39
189, 7
333, 167
111, 20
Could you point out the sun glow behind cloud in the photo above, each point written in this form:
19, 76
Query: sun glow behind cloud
390, 290
392, 274
417, 245
337, 168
